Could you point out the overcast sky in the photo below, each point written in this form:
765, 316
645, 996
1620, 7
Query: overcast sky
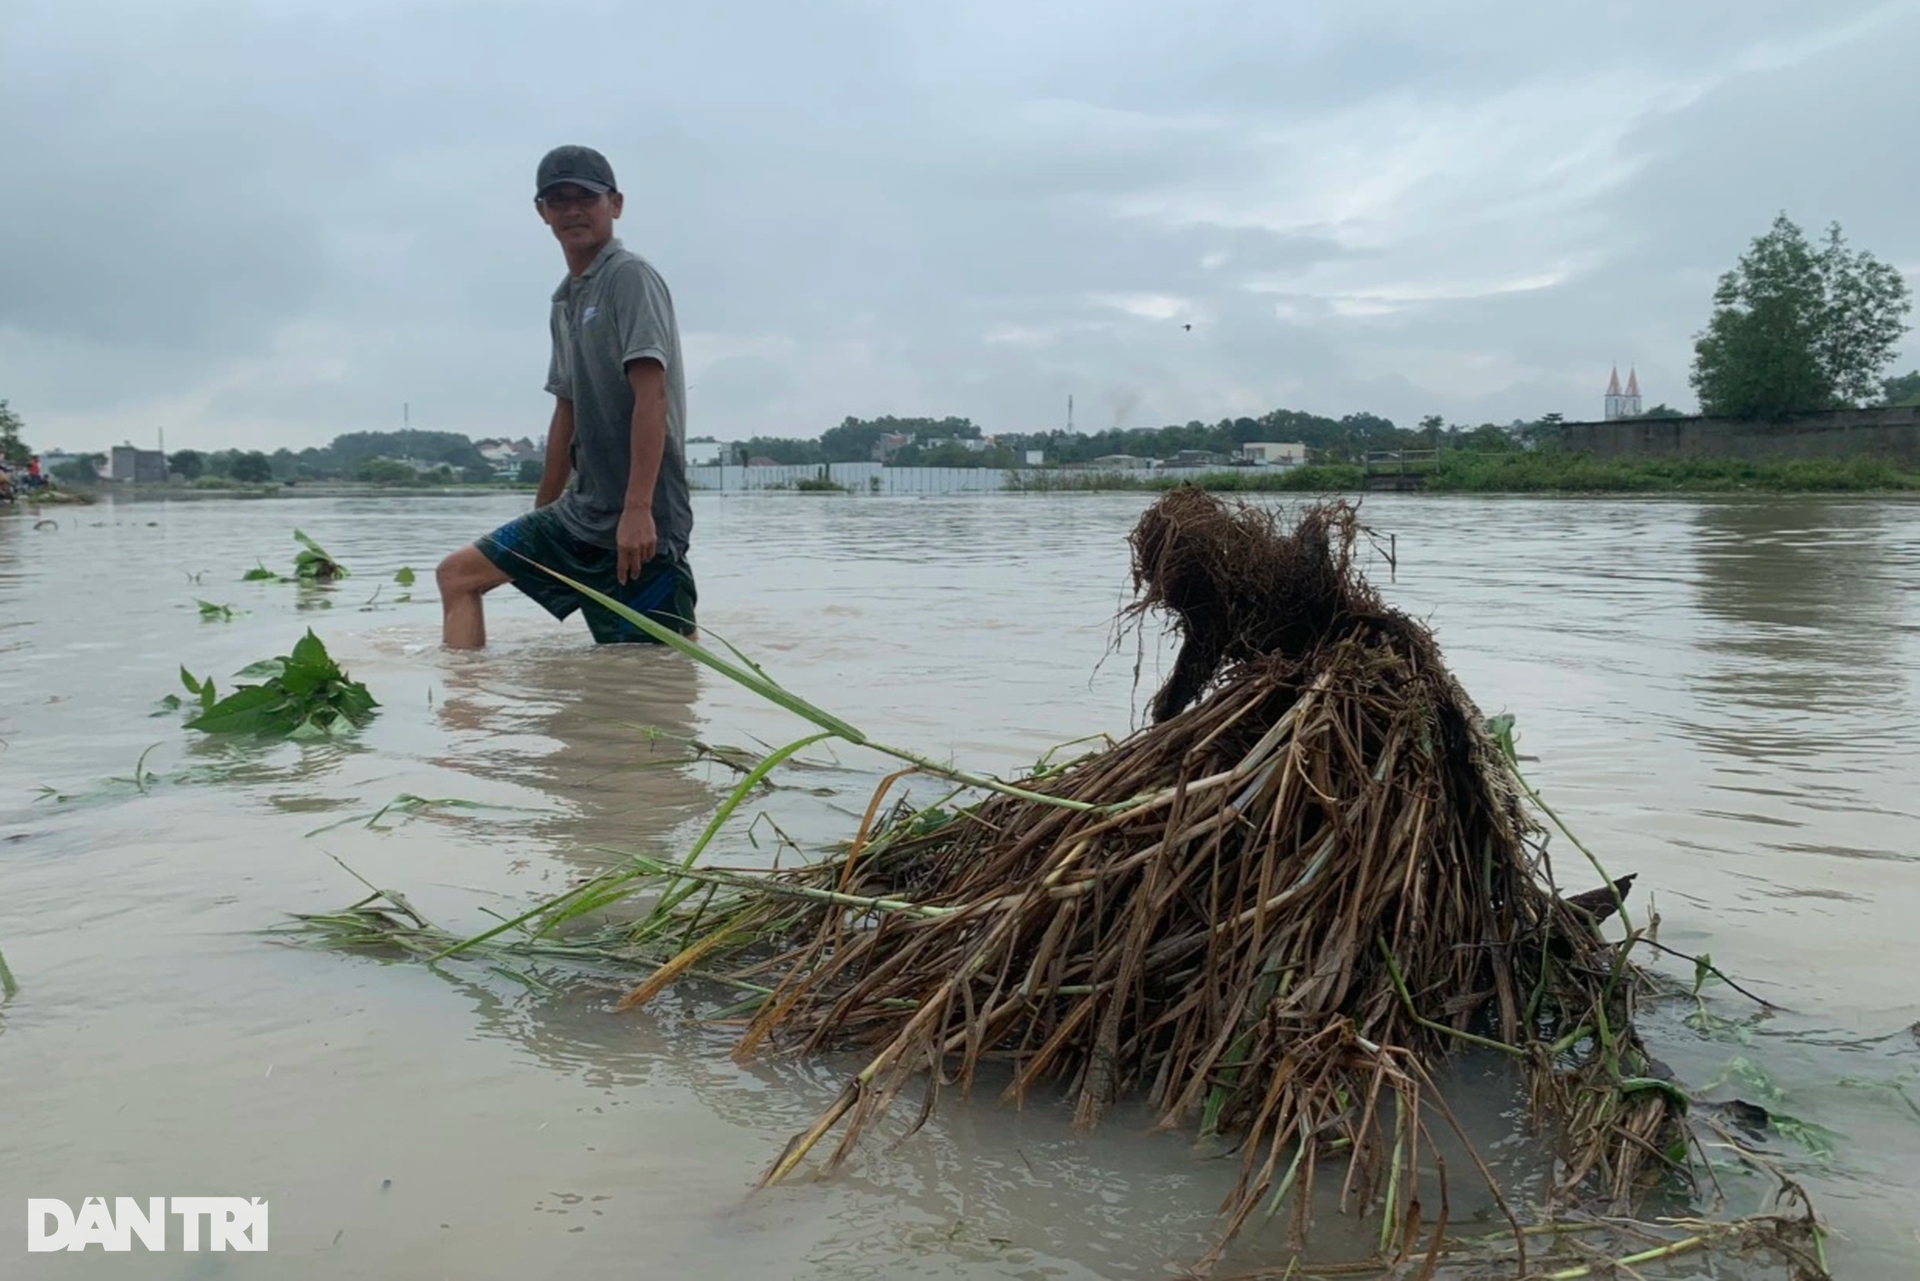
263, 224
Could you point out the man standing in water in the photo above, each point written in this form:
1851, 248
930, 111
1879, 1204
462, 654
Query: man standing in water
619, 427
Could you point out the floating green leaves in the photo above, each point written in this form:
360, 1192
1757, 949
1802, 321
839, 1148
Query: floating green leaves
200, 689
404, 577
301, 695
212, 613
314, 564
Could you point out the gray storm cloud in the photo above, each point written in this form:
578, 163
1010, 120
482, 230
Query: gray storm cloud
264, 224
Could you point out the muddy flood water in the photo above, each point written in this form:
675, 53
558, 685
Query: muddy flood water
1723, 696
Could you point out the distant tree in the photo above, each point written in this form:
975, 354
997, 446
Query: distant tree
252, 467
531, 470
1660, 411
1487, 438
13, 449
385, 471
851, 442
476, 475
1904, 390
350, 450
1867, 303
81, 471
1552, 420
188, 464
1794, 330
784, 451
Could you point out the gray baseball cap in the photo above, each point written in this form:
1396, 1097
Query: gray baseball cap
581, 166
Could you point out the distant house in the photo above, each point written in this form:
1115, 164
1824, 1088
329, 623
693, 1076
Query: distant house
1273, 454
705, 453
1035, 457
1195, 458
126, 463
761, 460
1119, 462
890, 444
972, 444
505, 456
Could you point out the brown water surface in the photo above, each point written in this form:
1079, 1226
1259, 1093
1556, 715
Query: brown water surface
1721, 696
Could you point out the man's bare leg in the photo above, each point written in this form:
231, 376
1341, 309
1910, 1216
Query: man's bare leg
464, 578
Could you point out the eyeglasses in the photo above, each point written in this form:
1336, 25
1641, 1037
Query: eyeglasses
564, 204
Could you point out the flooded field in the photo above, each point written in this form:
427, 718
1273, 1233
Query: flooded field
1721, 696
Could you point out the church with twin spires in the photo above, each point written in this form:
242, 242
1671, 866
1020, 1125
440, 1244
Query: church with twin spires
1623, 404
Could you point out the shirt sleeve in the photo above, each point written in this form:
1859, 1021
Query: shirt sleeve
644, 310
559, 370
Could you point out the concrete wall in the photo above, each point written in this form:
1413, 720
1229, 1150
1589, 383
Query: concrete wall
1889, 434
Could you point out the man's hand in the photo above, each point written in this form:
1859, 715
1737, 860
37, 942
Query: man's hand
637, 541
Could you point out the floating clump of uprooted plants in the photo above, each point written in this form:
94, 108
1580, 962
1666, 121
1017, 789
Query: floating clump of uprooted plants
311, 564
304, 694
1270, 914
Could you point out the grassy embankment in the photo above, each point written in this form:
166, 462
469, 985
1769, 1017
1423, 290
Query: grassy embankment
1465, 472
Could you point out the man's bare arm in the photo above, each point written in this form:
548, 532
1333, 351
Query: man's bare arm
648, 378
559, 461
636, 538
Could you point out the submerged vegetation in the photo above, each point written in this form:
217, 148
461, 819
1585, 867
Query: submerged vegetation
1271, 914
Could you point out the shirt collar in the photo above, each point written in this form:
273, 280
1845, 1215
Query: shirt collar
607, 251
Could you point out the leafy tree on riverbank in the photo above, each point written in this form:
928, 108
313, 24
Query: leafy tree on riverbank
1904, 390
1796, 329
13, 448
251, 467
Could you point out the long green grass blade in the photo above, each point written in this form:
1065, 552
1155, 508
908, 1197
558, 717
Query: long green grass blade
539, 909
757, 683
672, 897
8, 988
760, 684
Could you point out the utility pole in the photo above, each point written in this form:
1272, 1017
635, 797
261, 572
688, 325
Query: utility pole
1069, 413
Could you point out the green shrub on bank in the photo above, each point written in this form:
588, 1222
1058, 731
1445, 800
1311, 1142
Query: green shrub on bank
1549, 471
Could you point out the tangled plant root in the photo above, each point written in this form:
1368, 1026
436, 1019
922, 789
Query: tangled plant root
1274, 911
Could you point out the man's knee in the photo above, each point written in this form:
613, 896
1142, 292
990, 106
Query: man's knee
467, 573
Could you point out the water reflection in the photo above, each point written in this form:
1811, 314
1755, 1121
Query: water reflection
1798, 667
603, 733
1809, 610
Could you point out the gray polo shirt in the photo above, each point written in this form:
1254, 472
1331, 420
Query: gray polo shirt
619, 311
